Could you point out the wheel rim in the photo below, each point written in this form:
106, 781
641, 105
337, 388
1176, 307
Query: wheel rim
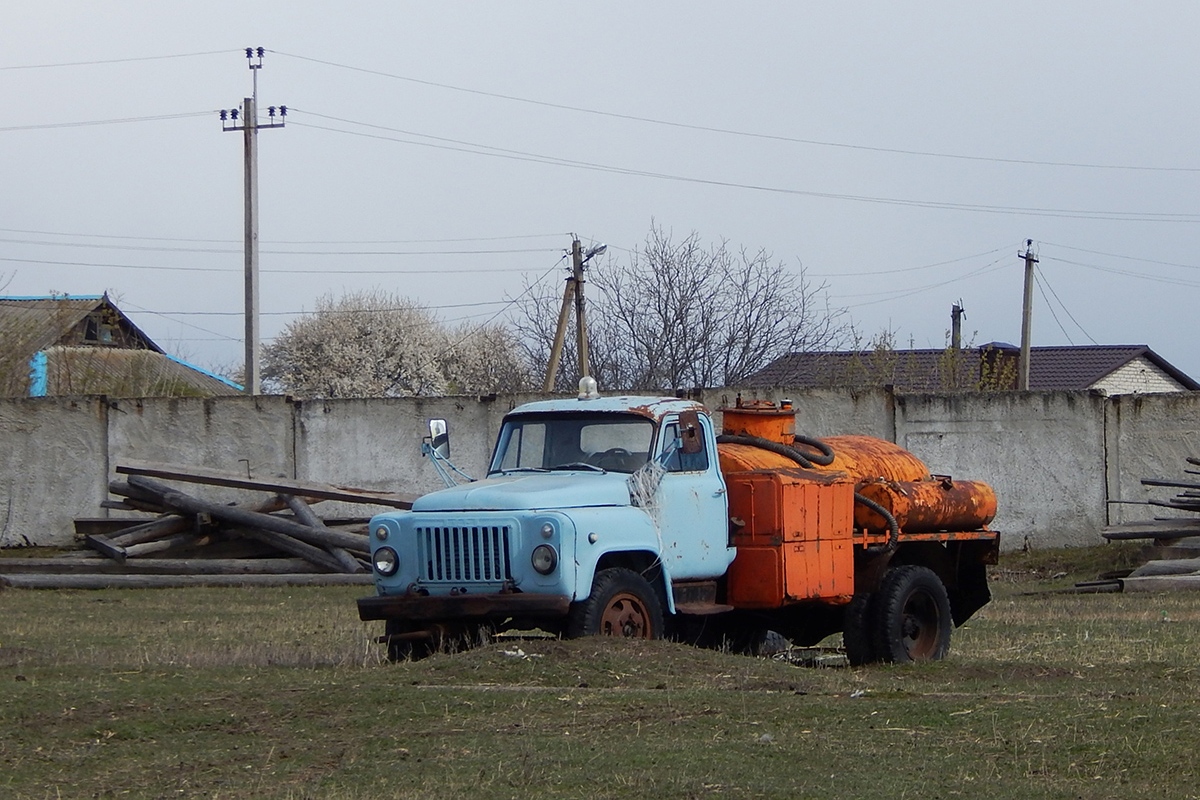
920, 626
626, 615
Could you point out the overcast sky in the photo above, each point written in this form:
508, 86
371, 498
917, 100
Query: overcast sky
901, 153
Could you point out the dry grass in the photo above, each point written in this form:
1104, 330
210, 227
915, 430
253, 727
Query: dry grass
282, 693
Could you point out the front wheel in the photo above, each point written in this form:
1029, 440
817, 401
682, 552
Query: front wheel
912, 616
622, 603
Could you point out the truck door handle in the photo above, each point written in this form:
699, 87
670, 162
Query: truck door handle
718, 492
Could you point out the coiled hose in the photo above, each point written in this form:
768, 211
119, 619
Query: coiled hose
824, 459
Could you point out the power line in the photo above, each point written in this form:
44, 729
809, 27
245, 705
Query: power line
898, 294
515, 155
1127, 258
116, 60
161, 249
905, 269
736, 132
1127, 273
317, 311
1042, 279
1050, 306
95, 122
441, 271
289, 242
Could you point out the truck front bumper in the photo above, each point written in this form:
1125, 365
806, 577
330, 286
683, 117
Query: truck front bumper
429, 608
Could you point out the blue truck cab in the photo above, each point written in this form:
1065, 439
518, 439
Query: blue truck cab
594, 516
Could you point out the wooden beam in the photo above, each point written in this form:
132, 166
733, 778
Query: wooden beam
178, 581
161, 566
324, 491
250, 519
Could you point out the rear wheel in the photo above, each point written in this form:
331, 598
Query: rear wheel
856, 630
912, 616
622, 603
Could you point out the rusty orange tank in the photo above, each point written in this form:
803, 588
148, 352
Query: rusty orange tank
928, 506
866, 458
760, 418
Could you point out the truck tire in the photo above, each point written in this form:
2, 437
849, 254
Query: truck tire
857, 622
912, 616
622, 603
404, 649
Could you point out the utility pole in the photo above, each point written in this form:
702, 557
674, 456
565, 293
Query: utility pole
573, 291
250, 127
957, 312
1026, 315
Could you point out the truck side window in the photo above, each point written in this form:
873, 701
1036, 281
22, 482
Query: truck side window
526, 447
679, 460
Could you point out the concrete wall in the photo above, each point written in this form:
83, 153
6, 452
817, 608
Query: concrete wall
1042, 453
1055, 459
53, 467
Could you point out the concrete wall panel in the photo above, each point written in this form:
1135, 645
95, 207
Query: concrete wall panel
1150, 436
1043, 453
245, 435
49, 452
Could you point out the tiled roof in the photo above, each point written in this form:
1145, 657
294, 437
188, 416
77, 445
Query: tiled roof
1073, 367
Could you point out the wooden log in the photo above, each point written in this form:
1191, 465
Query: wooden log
106, 547
324, 491
160, 566
168, 543
105, 526
178, 581
155, 529
1162, 583
129, 504
250, 519
1170, 483
1153, 529
1175, 566
287, 544
1178, 548
308, 517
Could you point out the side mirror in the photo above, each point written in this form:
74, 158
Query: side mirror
689, 432
439, 437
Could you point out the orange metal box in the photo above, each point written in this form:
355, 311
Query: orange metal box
796, 540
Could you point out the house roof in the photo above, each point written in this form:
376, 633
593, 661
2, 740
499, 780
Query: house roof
1050, 368
90, 347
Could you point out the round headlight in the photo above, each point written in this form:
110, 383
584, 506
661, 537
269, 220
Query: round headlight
547, 531
544, 559
386, 561
381, 533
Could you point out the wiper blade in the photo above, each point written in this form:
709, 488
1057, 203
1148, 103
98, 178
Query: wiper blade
579, 465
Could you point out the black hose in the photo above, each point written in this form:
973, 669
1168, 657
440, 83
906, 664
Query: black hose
824, 459
893, 527
767, 444
826, 452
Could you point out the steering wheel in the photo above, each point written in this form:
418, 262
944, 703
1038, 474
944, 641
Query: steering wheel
613, 458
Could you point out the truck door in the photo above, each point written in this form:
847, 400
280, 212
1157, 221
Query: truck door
691, 505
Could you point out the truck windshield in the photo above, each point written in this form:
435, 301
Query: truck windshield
611, 442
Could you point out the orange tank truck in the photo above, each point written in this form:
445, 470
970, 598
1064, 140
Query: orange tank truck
849, 533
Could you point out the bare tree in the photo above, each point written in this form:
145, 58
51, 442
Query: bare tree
374, 344
686, 315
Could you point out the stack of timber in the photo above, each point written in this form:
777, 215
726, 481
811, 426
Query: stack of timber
274, 540
1174, 555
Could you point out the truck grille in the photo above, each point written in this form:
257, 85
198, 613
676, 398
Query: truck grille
463, 554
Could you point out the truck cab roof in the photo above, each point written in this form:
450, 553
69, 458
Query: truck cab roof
654, 408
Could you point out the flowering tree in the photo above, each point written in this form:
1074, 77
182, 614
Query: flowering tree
375, 344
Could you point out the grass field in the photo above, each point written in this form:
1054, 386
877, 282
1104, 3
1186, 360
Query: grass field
283, 693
